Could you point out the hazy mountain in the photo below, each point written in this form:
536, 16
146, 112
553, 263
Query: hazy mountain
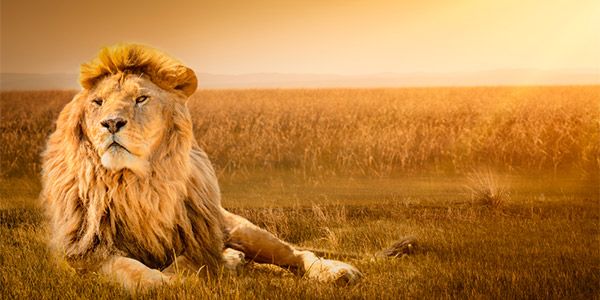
20, 81
27, 81
493, 77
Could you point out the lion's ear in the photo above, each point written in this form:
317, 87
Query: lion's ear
186, 81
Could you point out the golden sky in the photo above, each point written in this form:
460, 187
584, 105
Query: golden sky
341, 37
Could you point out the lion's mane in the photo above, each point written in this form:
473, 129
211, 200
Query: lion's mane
94, 213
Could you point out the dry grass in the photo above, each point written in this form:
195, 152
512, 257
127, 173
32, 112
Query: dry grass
377, 132
538, 247
486, 189
355, 170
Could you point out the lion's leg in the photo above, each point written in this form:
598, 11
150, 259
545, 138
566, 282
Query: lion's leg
233, 260
132, 273
262, 246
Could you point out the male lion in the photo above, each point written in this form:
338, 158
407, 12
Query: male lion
128, 191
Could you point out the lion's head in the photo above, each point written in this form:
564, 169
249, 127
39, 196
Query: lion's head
122, 172
127, 103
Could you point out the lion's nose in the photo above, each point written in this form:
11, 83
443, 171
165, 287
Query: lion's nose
113, 124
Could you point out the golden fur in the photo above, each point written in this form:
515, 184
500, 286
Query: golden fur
131, 202
163, 70
88, 206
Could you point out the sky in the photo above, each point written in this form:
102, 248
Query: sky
318, 37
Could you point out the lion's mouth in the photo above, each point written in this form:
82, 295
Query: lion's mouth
116, 146
116, 157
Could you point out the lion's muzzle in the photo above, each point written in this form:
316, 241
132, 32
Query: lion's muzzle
113, 125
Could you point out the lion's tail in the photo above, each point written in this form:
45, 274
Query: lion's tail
404, 246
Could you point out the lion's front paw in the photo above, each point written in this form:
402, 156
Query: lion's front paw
150, 278
233, 260
327, 270
133, 274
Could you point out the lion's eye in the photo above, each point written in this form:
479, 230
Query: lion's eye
98, 101
141, 99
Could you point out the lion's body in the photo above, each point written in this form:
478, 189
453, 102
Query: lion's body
130, 202
91, 211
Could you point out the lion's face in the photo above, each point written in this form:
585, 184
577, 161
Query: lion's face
125, 118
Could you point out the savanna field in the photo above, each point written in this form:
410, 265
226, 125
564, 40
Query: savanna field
500, 186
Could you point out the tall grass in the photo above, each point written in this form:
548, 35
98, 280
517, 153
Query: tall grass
359, 131
543, 243
486, 189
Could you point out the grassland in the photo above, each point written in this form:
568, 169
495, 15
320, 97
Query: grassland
379, 132
354, 170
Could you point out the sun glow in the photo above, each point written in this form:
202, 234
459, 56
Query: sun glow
323, 37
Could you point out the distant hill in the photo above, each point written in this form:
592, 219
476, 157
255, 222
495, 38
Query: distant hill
20, 81
27, 81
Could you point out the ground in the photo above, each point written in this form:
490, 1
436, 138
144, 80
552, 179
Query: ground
542, 242
353, 170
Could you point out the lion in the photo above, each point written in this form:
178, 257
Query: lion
129, 193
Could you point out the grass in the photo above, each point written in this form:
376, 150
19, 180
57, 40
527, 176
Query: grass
539, 245
486, 188
354, 171
374, 132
